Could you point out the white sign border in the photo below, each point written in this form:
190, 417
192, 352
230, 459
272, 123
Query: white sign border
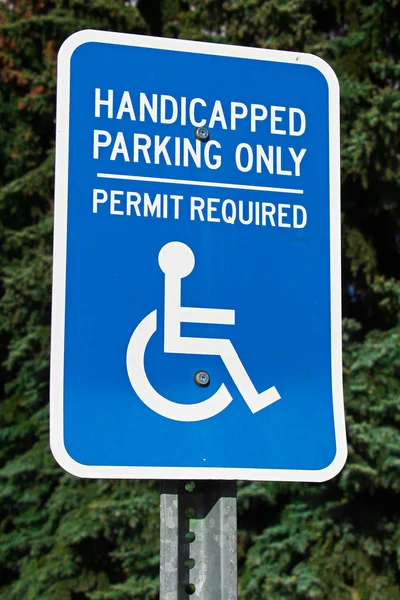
59, 265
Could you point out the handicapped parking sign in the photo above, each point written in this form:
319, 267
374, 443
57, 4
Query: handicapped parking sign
196, 292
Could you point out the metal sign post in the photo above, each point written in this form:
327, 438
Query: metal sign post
198, 540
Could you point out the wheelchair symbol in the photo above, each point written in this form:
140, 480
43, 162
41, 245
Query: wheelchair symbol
177, 261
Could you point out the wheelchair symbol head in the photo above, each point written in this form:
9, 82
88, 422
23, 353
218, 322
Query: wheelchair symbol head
175, 258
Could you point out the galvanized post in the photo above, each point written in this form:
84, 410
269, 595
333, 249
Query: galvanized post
198, 540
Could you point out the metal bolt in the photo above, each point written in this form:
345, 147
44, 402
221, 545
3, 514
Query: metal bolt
202, 134
202, 378
190, 589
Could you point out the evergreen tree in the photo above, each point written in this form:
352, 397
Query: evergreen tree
339, 540
68, 539
61, 538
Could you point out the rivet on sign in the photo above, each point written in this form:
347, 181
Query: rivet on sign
202, 134
202, 378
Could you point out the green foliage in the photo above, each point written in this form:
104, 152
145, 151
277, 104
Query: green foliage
60, 538
67, 539
339, 540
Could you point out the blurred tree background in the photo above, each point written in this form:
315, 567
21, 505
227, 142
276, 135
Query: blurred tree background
62, 538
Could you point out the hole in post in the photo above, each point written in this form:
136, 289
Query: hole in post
190, 512
189, 486
190, 537
190, 563
190, 588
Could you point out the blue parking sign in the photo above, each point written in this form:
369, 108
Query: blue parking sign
196, 327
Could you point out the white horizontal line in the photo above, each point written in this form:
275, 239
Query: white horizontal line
236, 186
